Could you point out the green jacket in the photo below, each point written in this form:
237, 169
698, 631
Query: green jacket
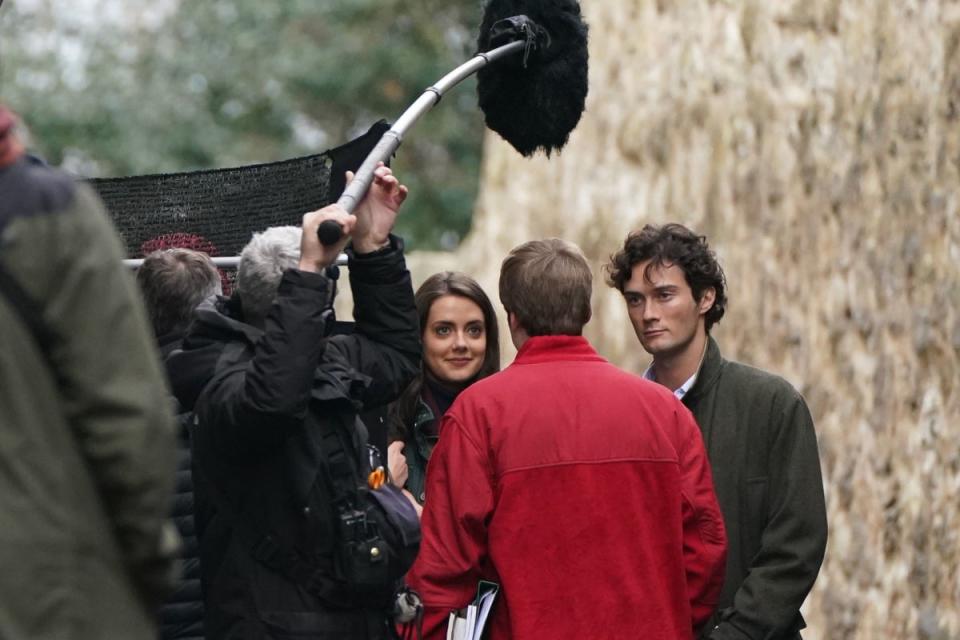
766, 469
86, 428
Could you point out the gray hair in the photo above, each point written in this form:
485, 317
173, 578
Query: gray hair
173, 282
262, 263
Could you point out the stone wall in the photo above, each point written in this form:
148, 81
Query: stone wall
817, 144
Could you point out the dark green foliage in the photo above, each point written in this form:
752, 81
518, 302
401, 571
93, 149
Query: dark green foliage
218, 83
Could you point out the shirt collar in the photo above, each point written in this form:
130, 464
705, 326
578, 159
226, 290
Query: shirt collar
682, 390
552, 348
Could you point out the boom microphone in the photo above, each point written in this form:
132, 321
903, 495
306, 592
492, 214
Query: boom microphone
535, 100
533, 96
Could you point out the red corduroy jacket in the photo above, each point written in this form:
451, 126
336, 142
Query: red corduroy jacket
584, 491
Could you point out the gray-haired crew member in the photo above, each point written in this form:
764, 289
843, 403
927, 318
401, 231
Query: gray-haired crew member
757, 428
279, 454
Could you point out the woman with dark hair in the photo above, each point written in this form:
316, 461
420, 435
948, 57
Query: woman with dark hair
461, 344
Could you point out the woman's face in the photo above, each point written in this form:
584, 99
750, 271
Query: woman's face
454, 339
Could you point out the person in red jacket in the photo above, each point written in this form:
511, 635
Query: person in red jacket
583, 490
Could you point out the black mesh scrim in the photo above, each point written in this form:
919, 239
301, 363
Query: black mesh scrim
218, 210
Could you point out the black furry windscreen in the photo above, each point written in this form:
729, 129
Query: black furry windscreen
534, 101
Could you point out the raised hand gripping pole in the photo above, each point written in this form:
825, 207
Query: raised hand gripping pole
329, 231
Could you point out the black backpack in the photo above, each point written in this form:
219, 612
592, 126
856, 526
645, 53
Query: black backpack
378, 529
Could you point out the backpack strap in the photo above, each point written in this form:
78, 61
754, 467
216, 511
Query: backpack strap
342, 473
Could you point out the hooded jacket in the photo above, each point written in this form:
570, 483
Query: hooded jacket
766, 469
86, 425
259, 399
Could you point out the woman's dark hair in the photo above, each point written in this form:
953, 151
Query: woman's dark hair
446, 283
672, 244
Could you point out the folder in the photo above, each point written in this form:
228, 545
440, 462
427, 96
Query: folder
470, 622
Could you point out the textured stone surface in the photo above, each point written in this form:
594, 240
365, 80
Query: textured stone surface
817, 144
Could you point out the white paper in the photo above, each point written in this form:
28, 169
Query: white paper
486, 601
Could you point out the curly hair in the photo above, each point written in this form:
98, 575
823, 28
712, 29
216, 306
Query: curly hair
672, 244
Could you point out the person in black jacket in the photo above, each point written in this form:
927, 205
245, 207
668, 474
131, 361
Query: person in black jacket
173, 282
275, 431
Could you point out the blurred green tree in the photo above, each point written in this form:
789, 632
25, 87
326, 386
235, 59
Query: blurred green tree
137, 88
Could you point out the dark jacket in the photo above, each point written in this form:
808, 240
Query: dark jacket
258, 461
181, 615
418, 447
766, 470
419, 427
86, 427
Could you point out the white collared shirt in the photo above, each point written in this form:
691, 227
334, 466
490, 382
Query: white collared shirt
686, 386
679, 391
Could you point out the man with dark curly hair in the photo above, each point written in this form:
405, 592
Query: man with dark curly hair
758, 431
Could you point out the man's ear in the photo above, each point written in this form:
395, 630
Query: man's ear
707, 298
512, 321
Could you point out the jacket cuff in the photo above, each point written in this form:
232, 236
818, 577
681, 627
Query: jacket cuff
727, 631
296, 279
383, 266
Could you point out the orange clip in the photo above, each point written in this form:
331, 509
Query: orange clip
377, 478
